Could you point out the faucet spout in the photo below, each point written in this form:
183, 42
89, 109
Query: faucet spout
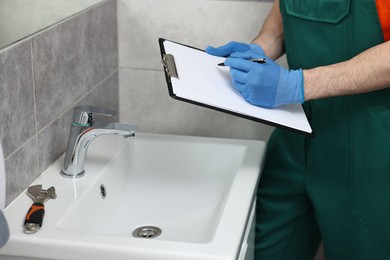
82, 134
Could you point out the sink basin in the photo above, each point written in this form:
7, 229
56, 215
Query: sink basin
165, 183
198, 191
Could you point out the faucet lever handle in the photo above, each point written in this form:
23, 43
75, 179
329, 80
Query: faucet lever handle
84, 114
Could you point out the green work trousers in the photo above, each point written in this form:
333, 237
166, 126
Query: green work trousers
334, 187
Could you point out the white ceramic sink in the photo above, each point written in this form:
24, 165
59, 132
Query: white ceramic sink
198, 191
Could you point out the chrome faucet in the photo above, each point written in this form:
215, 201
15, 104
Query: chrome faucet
83, 131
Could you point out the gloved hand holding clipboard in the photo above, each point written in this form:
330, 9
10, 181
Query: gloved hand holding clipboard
194, 76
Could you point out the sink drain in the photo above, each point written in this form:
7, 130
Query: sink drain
147, 232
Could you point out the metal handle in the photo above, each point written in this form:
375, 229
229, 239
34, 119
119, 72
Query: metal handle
83, 115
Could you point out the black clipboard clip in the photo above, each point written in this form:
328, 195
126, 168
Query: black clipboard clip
169, 64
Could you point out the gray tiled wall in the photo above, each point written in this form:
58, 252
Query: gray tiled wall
43, 77
144, 98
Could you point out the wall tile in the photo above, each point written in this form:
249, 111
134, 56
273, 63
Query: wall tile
145, 102
16, 97
52, 140
71, 58
105, 95
21, 169
194, 22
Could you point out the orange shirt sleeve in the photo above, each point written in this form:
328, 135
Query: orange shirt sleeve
383, 7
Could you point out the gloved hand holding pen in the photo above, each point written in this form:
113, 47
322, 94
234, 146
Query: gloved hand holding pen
266, 85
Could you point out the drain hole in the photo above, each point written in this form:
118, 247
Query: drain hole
103, 191
147, 232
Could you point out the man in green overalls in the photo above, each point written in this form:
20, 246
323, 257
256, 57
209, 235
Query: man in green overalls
334, 187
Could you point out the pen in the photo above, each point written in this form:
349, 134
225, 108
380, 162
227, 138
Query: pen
260, 60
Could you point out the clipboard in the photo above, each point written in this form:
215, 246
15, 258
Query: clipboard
193, 76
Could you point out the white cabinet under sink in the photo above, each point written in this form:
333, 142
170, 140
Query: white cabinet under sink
248, 244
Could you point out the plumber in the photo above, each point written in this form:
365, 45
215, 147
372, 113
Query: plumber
334, 187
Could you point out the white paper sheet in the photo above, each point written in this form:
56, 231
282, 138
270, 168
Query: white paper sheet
201, 80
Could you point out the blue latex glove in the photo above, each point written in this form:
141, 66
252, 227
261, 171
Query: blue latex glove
234, 47
267, 85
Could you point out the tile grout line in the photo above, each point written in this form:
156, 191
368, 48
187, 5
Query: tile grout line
78, 100
20, 147
61, 114
134, 68
49, 27
35, 107
33, 83
35, 110
96, 86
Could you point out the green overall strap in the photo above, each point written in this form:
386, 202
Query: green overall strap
323, 32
